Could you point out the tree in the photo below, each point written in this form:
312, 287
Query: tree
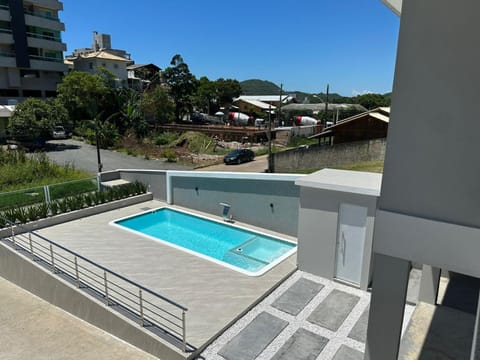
372, 101
34, 119
81, 93
205, 95
182, 84
227, 90
156, 106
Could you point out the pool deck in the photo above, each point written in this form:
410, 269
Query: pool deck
214, 294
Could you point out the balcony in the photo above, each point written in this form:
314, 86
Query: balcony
39, 14
6, 37
7, 59
47, 64
43, 22
45, 42
4, 14
49, 4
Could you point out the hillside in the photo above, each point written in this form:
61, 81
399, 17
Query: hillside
259, 87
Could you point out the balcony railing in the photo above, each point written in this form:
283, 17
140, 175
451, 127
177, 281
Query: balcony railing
7, 53
4, 7
44, 37
5, 31
45, 58
151, 310
45, 16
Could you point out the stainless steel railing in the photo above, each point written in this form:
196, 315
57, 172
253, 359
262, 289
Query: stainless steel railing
135, 301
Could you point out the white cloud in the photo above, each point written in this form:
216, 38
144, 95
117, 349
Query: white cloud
361, 92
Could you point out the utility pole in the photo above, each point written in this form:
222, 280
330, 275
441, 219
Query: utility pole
270, 160
99, 161
326, 108
279, 112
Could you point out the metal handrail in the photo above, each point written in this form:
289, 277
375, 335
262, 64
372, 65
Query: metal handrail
37, 14
100, 283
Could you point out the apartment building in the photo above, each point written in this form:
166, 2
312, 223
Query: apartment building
31, 49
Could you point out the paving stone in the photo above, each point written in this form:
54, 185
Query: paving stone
359, 331
347, 353
297, 296
254, 338
303, 345
332, 312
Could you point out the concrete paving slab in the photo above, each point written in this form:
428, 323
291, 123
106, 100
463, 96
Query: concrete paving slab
437, 332
333, 311
31, 328
297, 296
214, 294
303, 345
253, 339
359, 331
347, 353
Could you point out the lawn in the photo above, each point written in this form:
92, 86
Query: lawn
22, 179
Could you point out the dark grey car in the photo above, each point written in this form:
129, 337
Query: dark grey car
239, 156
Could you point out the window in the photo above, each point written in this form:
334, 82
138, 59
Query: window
50, 94
90, 65
115, 66
9, 93
29, 74
32, 93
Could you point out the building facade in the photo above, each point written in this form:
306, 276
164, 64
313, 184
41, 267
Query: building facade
31, 49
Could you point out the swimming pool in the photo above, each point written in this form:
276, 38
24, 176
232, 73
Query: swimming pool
237, 248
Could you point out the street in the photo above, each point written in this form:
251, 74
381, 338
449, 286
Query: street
84, 157
259, 165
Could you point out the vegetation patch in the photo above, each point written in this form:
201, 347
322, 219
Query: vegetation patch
19, 171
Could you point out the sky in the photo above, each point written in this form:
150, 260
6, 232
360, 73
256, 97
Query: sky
303, 44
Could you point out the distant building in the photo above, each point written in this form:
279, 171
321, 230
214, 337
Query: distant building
31, 49
141, 75
316, 108
91, 61
273, 100
369, 125
249, 106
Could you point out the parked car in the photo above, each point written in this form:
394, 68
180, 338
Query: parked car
59, 132
239, 156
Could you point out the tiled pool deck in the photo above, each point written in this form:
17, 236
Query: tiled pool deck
307, 317
214, 295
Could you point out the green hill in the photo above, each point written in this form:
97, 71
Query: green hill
259, 87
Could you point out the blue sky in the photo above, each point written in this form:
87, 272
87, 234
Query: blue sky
304, 44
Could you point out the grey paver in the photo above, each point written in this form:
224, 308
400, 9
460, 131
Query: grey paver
303, 345
297, 296
359, 331
347, 353
332, 312
254, 338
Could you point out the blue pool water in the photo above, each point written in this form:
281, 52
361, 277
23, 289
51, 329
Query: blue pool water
235, 246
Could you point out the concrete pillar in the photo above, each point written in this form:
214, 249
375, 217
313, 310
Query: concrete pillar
475, 354
429, 284
389, 291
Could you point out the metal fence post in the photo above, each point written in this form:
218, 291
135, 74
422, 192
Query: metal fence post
52, 258
31, 245
106, 287
46, 192
13, 234
140, 297
76, 272
184, 331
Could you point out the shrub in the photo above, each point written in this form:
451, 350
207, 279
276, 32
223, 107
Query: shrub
170, 155
166, 138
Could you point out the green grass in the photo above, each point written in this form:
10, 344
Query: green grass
367, 166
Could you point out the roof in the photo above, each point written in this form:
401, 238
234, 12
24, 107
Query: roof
321, 107
6, 110
260, 104
104, 55
139, 66
265, 98
381, 113
357, 182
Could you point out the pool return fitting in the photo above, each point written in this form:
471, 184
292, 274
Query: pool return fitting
226, 209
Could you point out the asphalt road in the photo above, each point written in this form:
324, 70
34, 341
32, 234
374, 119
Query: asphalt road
259, 165
84, 157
